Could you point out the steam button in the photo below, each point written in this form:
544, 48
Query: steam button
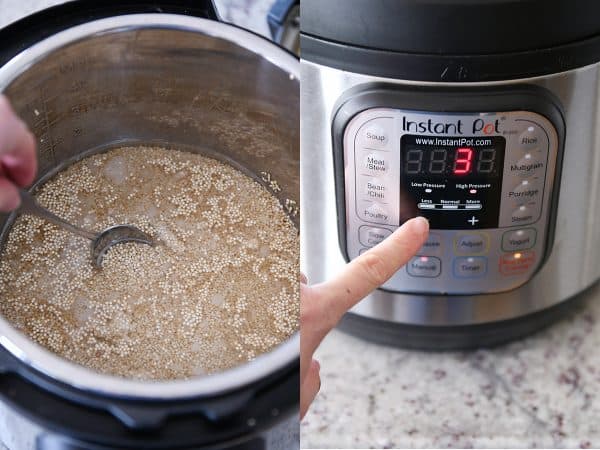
522, 215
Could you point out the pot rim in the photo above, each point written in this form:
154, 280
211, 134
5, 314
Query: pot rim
62, 370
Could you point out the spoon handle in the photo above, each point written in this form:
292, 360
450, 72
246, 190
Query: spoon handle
29, 205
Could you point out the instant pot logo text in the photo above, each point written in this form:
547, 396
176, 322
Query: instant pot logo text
479, 126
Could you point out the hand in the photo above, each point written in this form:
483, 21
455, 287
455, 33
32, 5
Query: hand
323, 305
18, 163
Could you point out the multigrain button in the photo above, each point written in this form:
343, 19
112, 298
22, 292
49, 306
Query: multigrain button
532, 162
375, 164
432, 246
424, 266
531, 138
471, 244
370, 236
470, 267
518, 239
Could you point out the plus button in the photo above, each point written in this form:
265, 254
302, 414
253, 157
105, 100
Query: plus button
473, 221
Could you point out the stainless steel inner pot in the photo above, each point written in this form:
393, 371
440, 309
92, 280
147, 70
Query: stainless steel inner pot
169, 79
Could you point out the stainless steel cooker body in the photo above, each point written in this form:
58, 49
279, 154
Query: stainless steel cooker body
174, 80
573, 260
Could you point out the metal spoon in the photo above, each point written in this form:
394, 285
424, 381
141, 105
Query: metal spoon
101, 242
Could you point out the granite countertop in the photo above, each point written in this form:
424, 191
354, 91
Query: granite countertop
543, 391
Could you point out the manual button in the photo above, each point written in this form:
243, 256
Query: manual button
371, 236
424, 266
471, 244
470, 267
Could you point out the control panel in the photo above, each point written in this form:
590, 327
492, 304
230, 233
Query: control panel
483, 180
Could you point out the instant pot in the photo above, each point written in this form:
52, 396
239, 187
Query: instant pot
482, 117
87, 76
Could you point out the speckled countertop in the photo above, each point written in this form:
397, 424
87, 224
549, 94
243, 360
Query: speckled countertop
543, 391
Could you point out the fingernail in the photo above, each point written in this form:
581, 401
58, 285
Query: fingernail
421, 225
303, 278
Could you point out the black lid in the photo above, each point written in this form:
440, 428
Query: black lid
456, 28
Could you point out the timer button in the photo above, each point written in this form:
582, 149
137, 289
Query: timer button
470, 267
523, 214
371, 236
424, 266
471, 244
519, 239
533, 137
375, 164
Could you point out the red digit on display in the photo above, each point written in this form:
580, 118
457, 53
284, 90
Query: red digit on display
462, 161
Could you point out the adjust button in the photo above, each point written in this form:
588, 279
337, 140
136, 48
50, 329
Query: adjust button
424, 266
371, 236
532, 137
471, 244
470, 267
518, 239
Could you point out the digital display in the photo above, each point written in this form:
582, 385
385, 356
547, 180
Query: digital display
455, 182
